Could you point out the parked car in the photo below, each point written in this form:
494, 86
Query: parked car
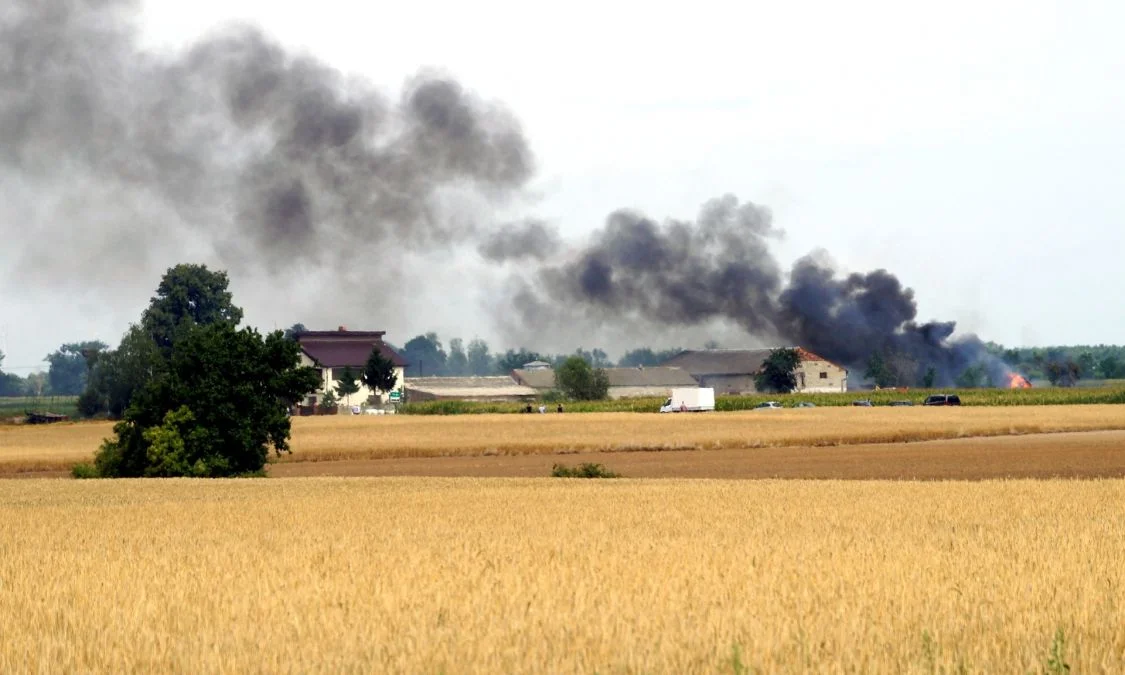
806, 404
943, 399
862, 403
901, 403
767, 405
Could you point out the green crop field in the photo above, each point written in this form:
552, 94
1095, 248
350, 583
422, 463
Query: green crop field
17, 406
969, 397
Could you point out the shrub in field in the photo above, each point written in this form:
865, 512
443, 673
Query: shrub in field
586, 470
217, 410
84, 470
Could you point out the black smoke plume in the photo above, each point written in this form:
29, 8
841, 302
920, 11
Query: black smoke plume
720, 267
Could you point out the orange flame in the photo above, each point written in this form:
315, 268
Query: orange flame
1017, 381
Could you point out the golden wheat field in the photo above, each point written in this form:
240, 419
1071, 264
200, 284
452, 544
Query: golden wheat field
549, 575
39, 448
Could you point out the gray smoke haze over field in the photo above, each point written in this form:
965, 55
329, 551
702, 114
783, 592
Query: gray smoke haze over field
531, 238
271, 158
285, 170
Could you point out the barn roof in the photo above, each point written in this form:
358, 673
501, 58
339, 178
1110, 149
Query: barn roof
618, 377
650, 377
334, 349
536, 378
468, 387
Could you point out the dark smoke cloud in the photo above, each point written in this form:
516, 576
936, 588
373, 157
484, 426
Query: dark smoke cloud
277, 164
272, 158
531, 238
679, 272
720, 267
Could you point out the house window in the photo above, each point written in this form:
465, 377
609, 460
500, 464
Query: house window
824, 374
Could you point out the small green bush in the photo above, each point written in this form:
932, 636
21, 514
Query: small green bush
587, 470
84, 470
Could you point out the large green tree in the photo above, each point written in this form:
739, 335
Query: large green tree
379, 372
579, 381
778, 373
218, 408
70, 365
188, 296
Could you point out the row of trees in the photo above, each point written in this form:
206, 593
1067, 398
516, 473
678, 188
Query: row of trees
428, 356
35, 384
1061, 366
70, 365
1065, 365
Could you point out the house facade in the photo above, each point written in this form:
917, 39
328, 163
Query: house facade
732, 371
332, 351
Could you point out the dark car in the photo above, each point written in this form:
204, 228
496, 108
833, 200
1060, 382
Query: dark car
863, 403
943, 399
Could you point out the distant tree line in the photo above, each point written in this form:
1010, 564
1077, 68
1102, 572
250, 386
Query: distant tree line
71, 364
427, 356
1065, 365
1061, 366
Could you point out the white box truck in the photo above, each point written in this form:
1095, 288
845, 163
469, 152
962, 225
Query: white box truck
690, 399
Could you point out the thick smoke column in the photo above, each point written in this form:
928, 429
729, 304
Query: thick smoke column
720, 267
271, 158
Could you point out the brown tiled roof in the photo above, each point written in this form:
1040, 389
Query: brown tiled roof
334, 349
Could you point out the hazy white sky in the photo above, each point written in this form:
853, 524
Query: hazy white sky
975, 149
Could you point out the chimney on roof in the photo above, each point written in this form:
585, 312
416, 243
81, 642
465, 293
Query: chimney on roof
343, 329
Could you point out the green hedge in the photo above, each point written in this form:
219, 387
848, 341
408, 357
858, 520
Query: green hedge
971, 397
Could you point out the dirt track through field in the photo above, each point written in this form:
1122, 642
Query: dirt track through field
1093, 454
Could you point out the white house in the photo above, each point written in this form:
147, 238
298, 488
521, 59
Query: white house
732, 371
331, 351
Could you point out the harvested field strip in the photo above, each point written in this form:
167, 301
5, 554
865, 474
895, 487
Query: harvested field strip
554, 575
372, 437
1084, 454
